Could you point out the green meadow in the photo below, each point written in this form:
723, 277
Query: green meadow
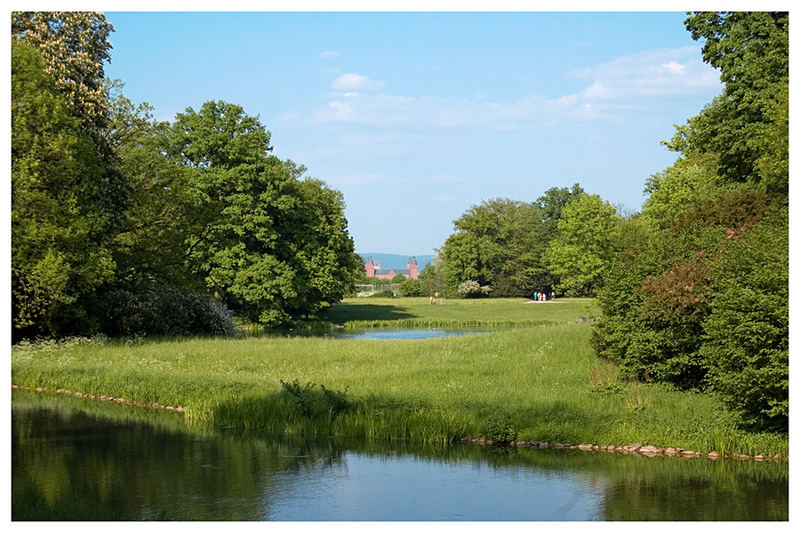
538, 382
419, 312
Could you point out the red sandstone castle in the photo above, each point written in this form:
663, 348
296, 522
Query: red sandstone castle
374, 269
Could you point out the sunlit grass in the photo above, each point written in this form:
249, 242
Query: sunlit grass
418, 312
541, 379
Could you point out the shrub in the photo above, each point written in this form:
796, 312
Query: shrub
384, 293
747, 346
501, 430
155, 309
473, 289
658, 293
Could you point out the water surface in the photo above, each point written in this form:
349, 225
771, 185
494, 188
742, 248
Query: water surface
404, 334
124, 463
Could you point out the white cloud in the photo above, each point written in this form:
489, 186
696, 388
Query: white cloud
391, 110
611, 89
355, 82
329, 54
651, 73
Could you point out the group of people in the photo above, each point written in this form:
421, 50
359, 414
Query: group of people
543, 296
434, 296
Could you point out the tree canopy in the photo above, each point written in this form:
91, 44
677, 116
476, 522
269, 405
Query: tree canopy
747, 126
127, 225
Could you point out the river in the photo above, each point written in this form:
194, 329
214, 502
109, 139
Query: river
76, 459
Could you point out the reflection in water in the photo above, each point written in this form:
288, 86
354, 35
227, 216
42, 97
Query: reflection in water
74, 464
373, 333
404, 334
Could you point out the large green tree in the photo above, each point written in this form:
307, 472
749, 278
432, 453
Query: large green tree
747, 126
59, 248
585, 244
274, 247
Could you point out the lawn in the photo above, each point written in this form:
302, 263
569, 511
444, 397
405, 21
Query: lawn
404, 312
540, 382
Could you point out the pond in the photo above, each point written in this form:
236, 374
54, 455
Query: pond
115, 462
374, 333
404, 334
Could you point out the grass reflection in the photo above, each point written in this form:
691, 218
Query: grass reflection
79, 460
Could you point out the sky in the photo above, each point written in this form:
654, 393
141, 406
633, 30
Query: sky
416, 117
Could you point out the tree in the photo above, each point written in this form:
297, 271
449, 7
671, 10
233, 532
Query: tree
273, 247
746, 127
585, 245
499, 244
552, 204
74, 46
674, 190
410, 287
398, 279
432, 278
164, 219
58, 240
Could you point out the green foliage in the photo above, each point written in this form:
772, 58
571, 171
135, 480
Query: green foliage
107, 201
747, 330
384, 293
157, 309
585, 245
500, 429
500, 243
410, 287
698, 294
745, 128
675, 190
432, 278
58, 225
166, 217
75, 47
659, 290
274, 248
472, 289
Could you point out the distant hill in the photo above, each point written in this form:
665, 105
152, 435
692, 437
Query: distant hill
397, 260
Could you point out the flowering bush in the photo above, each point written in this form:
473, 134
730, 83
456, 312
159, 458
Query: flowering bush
473, 289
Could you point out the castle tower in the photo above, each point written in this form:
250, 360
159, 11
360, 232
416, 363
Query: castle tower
413, 269
369, 267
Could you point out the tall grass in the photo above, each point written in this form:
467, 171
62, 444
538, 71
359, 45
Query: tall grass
538, 380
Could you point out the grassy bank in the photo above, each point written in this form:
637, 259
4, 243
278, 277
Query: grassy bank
544, 383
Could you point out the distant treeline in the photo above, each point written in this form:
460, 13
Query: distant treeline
694, 288
125, 225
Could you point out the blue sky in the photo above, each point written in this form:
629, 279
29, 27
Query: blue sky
415, 117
